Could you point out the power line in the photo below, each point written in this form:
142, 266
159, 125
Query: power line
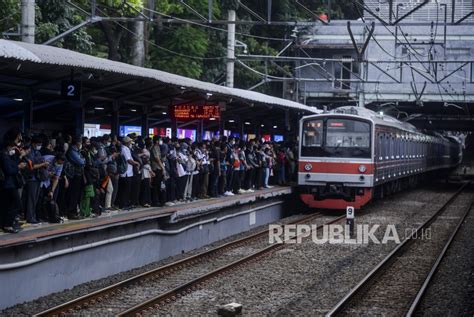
216, 28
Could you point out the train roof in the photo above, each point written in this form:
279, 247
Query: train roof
386, 120
377, 118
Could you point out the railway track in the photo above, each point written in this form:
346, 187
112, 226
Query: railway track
171, 281
397, 284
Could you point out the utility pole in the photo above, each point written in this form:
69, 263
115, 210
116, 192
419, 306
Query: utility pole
28, 21
230, 49
138, 42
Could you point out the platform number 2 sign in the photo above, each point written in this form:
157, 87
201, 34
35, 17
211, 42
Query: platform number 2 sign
71, 89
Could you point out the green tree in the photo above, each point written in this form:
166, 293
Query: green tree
185, 40
118, 44
54, 17
9, 16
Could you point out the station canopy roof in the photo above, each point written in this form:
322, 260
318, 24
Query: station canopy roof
42, 68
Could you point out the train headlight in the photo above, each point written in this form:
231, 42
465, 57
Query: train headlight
362, 168
308, 167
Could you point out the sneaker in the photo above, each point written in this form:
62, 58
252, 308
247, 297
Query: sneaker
250, 191
169, 204
146, 206
266, 186
270, 186
242, 191
11, 229
231, 194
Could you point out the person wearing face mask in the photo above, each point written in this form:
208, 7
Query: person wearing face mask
77, 162
158, 169
31, 190
230, 167
181, 162
168, 157
10, 165
126, 178
49, 188
91, 180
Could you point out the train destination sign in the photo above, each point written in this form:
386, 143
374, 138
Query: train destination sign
195, 112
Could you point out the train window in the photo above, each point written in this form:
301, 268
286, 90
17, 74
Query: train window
313, 133
347, 133
336, 137
380, 147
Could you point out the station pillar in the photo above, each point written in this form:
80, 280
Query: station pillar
174, 128
200, 130
145, 122
27, 112
116, 117
287, 125
79, 120
221, 127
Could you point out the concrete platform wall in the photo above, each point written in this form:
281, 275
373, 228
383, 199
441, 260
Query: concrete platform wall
101, 253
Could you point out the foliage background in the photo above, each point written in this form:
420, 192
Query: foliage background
184, 49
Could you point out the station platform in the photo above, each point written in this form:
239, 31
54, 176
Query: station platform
54, 257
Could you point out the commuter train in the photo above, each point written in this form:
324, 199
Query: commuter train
351, 154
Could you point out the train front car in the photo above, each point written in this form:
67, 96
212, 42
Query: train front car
336, 167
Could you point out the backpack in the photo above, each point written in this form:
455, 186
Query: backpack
42, 174
112, 167
68, 169
122, 164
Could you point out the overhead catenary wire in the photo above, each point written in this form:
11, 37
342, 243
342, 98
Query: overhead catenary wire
407, 44
216, 28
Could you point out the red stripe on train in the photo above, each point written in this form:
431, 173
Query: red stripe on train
335, 167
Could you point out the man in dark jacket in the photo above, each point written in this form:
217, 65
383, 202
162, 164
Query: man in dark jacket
31, 191
10, 165
76, 184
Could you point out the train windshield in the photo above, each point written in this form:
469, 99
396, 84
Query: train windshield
334, 137
313, 133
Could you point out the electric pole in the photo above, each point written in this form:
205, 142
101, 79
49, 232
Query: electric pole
230, 49
138, 42
28, 21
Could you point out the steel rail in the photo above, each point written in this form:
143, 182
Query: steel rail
343, 303
165, 298
103, 293
434, 269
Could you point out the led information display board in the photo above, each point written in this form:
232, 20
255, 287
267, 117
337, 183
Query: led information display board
195, 112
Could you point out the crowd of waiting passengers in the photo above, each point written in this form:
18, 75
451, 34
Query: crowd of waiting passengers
56, 179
